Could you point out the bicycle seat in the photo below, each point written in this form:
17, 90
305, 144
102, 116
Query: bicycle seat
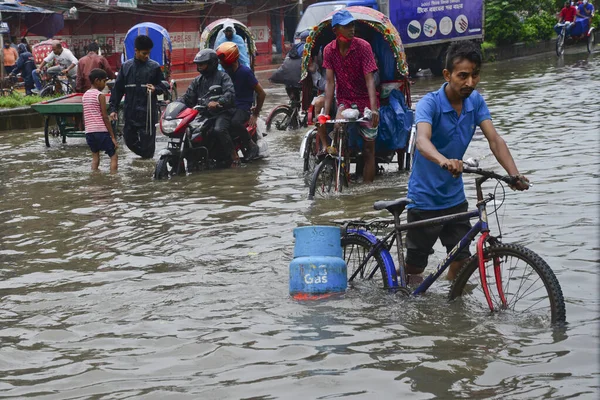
393, 206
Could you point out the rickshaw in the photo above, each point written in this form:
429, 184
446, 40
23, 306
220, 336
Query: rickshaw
210, 33
580, 31
159, 53
385, 41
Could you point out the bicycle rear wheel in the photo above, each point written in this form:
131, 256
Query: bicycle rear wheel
356, 249
281, 119
530, 287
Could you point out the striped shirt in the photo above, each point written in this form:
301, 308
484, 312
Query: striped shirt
92, 114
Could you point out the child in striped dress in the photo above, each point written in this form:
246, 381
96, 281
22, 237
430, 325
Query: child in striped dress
98, 130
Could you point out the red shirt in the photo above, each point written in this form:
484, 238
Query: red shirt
350, 71
86, 65
568, 13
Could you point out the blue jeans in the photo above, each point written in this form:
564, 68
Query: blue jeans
36, 79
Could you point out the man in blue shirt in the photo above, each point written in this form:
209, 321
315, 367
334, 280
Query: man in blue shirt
585, 10
446, 121
245, 85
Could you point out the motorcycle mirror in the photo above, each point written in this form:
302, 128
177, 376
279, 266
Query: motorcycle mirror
215, 90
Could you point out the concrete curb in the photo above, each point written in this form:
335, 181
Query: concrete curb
20, 118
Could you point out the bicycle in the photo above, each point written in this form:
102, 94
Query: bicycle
333, 170
55, 85
586, 34
525, 273
290, 116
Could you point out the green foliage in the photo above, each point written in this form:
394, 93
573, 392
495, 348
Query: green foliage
18, 100
502, 25
508, 22
487, 51
538, 27
596, 20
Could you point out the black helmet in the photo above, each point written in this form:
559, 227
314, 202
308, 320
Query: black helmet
22, 48
208, 56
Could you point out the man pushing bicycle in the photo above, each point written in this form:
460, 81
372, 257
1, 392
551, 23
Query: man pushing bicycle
446, 121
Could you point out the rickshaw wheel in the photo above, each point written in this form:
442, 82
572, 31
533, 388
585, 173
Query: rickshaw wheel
310, 153
591, 41
51, 130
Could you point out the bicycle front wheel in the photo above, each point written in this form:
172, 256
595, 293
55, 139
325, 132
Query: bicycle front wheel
356, 249
560, 45
530, 287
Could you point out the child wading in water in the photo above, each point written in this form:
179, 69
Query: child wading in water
98, 130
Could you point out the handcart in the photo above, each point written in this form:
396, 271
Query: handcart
64, 117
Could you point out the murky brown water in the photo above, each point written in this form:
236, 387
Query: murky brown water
121, 287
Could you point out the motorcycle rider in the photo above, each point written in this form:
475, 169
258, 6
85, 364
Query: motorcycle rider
140, 80
245, 84
222, 109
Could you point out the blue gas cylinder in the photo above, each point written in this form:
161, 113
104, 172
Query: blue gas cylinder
318, 267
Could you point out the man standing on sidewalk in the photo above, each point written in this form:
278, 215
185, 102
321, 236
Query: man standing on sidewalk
10, 57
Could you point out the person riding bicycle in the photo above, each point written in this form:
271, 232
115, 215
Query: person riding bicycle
140, 81
25, 65
350, 68
446, 120
222, 109
567, 16
61, 56
245, 84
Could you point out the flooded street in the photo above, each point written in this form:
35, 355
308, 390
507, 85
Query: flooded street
115, 287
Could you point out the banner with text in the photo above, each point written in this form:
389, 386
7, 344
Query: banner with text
431, 20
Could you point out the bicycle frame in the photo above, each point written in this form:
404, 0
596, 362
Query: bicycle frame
384, 246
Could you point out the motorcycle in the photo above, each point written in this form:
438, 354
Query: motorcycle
192, 145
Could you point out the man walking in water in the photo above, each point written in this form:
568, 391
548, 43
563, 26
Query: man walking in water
140, 80
446, 121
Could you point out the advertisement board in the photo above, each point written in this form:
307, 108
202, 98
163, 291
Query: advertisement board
420, 21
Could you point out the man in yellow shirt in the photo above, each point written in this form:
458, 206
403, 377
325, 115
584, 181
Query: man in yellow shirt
10, 57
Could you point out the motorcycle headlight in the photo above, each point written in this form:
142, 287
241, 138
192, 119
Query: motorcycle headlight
169, 126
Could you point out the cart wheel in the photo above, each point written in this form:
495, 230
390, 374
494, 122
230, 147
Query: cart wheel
591, 42
51, 130
47, 131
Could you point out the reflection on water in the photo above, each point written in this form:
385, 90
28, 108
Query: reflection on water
118, 286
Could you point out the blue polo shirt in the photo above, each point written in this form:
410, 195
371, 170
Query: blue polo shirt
430, 186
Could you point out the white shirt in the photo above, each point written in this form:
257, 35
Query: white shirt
65, 59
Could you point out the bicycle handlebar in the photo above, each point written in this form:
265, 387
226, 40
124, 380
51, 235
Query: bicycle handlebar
470, 167
345, 120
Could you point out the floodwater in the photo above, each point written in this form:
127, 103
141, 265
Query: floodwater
115, 287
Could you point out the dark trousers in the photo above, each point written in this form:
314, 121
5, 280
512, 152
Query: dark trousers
139, 141
8, 69
238, 126
222, 138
